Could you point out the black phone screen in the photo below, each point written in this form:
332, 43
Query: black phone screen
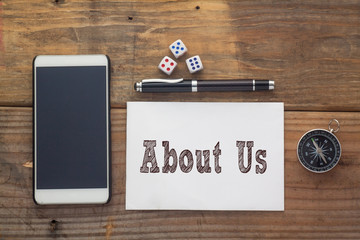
71, 133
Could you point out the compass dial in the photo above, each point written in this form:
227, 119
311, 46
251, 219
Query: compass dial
319, 150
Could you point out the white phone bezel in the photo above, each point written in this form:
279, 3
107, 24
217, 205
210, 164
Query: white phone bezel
72, 196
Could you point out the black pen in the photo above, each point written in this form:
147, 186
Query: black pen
189, 85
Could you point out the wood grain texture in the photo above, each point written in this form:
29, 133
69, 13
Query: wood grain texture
316, 205
310, 48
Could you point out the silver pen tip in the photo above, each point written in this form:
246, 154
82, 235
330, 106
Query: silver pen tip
137, 87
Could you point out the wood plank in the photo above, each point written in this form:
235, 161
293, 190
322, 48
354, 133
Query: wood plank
316, 205
311, 49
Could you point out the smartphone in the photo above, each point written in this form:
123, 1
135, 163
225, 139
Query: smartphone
71, 129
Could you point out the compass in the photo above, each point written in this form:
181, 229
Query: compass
319, 150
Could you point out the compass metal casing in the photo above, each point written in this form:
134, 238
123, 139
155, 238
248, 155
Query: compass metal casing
305, 157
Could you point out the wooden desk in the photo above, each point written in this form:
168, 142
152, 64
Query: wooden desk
311, 50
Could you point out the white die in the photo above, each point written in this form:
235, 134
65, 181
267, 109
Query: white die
194, 64
178, 48
167, 65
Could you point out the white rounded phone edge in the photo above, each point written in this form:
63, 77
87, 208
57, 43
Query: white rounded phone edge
70, 60
71, 196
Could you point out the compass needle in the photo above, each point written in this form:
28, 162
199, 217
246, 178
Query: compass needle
318, 150
322, 156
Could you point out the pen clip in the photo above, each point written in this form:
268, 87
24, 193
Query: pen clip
156, 80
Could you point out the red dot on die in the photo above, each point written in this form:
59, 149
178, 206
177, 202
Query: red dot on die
162, 65
166, 60
172, 64
168, 69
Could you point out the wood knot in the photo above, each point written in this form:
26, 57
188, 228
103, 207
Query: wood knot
59, 1
197, 7
130, 18
53, 225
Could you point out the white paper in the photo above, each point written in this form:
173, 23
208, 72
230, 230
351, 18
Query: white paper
188, 127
